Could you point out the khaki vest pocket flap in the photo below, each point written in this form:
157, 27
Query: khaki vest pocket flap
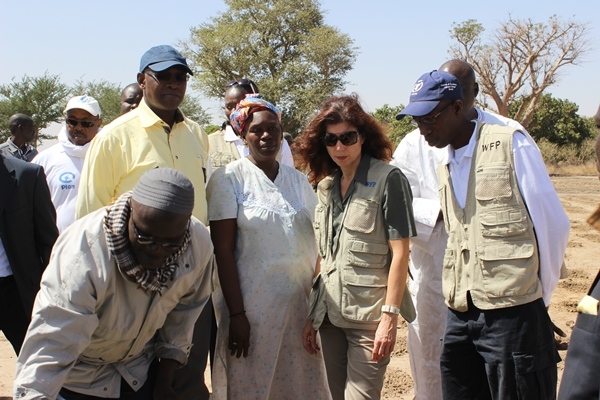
367, 255
493, 250
503, 223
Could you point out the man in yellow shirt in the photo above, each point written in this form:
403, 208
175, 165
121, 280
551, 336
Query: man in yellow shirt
154, 135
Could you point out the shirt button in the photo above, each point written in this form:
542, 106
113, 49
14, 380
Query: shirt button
134, 383
105, 389
177, 157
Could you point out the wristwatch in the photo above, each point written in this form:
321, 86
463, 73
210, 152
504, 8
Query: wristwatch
390, 309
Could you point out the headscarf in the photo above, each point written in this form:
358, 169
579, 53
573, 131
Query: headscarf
246, 107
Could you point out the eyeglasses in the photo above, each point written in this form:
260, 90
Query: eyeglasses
416, 121
84, 124
347, 138
150, 241
163, 76
243, 82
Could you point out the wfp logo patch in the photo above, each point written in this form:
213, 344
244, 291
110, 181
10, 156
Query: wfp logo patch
418, 86
370, 184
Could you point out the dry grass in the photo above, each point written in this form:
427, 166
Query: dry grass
569, 159
587, 168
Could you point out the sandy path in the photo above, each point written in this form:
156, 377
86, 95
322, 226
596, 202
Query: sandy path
580, 196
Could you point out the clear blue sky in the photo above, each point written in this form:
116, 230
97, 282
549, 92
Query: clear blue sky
398, 40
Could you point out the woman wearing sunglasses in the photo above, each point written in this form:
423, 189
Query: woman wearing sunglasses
363, 221
260, 214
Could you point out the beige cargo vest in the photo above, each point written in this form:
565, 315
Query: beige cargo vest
354, 271
222, 152
492, 249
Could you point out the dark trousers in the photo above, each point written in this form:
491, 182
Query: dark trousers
502, 354
13, 318
188, 381
127, 393
581, 377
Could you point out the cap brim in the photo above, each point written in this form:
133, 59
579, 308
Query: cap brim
418, 109
164, 65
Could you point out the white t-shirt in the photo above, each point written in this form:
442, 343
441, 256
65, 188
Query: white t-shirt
62, 164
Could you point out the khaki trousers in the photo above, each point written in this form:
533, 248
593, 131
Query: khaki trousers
351, 373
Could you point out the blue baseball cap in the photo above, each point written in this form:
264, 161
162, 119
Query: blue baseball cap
429, 90
160, 58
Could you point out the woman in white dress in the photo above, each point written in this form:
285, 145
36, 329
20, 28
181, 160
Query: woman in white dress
260, 214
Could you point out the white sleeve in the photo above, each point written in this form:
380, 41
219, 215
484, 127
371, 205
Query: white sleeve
549, 219
425, 210
286, 154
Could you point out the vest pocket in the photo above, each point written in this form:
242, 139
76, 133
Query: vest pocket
493, 182
361, 215
502, 276
364, 281
362, 302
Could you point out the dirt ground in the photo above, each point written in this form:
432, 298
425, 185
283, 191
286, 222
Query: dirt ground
580, 195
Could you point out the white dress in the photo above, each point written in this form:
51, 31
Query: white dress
275, 256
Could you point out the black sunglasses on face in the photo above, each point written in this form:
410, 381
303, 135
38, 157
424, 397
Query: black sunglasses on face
84, 124
162, 77
347, 138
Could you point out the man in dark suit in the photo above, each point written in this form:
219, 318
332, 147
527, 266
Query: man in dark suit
580, 377
27, 232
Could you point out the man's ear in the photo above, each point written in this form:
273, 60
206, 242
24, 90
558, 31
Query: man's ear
141, 80
457, 107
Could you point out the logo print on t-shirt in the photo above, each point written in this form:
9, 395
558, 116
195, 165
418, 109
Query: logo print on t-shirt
66, 177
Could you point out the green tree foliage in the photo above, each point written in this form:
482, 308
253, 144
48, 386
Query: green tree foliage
192, 109
556, 121
211, 129
283, 45
396, 129
521, 58
42, 98
108, 94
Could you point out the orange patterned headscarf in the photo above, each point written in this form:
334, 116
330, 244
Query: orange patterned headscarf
246, 107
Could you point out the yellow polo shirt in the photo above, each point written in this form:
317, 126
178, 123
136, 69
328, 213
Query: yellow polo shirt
134, 143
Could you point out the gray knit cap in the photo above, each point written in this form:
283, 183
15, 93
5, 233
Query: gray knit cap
165, 189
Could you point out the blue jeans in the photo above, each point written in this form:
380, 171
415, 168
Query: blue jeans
501, 354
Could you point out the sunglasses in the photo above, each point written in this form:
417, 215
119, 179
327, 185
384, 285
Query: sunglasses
150, 241
162, 77
242, 82
84, 124
347, 138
